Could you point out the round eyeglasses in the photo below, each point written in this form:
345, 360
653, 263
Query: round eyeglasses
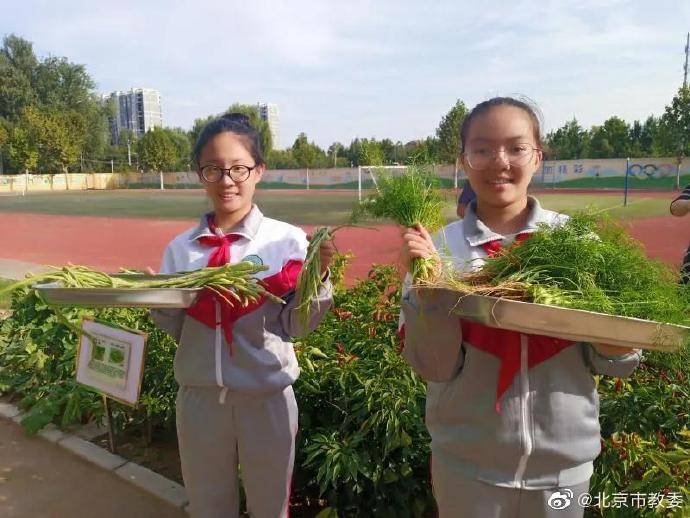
480, 157
237, 173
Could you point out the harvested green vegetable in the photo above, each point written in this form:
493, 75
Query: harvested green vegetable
231, 282
588, 263
310, 276
409, 199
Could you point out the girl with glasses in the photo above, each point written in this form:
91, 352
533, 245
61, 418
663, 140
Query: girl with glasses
513, 418
236, 365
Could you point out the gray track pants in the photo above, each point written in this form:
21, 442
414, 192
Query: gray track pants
256, 432
459, 497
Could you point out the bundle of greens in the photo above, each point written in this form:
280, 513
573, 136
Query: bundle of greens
588, 263
409, 199
310, 276
231, 282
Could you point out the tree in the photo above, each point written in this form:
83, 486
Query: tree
4, 137
197, 127
281, 159
62, 84
183, 149
389, 151
568, 142
62, 138
648, 137
617, 133
305, 153
354, 152
427, 151
50, 84
674, 125
18, 66
157, 150
371, 153
334, 150
448, 133
643, 137
259, 124
23, 146
599, 145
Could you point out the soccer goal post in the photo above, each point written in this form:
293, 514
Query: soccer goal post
369, 173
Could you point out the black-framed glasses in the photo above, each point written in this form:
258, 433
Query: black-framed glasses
480, 157
237, 173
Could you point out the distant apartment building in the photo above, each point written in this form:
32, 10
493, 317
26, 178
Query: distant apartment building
269, 113
138, 110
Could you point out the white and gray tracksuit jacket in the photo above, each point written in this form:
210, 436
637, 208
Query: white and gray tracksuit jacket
547, 433
262, 360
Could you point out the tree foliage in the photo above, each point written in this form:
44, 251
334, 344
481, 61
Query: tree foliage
157, 151
448, 132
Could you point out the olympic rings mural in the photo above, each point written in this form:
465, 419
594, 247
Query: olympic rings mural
648, 171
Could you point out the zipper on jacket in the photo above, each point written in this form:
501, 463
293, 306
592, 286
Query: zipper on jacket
524, 412
218, 346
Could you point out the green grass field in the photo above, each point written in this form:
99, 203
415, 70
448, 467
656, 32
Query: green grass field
322, 208
617, 182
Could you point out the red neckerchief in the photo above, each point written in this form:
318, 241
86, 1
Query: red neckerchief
203, 309
504, 344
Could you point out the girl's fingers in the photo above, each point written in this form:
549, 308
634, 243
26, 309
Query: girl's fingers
409, 230
420, 242
424, 232
149, 270
408, 237
326, 252
420, 252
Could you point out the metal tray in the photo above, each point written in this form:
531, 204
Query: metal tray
55, 293
571, 324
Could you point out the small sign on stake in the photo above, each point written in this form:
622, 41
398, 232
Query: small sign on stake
114, 364
110, 360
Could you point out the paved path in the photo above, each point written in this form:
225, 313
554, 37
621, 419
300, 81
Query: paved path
16, 269
39, 479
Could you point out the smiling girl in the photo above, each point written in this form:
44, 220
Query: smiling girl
513, 418
236, 365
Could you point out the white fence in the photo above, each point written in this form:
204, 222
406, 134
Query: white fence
551, 173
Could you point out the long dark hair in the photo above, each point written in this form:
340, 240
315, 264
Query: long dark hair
237, 123
485, 106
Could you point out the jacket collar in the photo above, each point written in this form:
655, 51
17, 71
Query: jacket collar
477, 233
248, 227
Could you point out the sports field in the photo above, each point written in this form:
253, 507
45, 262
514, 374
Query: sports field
295, 206
112, 229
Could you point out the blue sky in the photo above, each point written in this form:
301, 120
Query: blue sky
338, 70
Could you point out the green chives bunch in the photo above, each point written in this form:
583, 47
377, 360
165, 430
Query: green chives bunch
409, 199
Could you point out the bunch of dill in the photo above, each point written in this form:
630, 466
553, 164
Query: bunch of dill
589, 263
408, 199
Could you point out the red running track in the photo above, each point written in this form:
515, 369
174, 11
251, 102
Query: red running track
111, 243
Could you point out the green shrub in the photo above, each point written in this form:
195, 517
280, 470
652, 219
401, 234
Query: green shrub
37, 365
363, 442
362, 445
